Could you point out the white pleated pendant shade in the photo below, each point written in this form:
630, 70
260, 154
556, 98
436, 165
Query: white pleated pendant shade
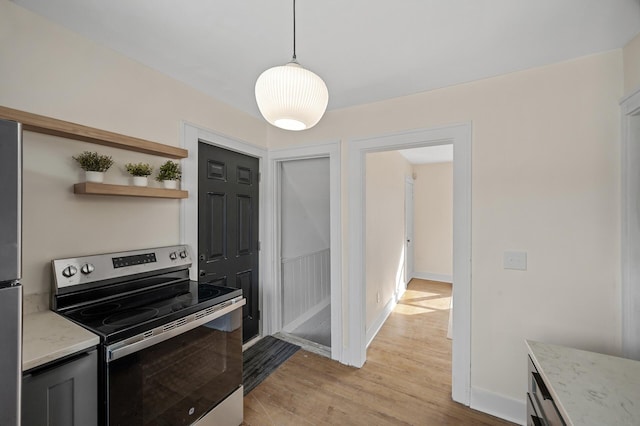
291, 97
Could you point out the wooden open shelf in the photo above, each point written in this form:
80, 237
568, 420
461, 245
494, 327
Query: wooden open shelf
128, 191
51, 126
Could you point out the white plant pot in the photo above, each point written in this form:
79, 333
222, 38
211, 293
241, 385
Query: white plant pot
140, 181
97, 177
170, 184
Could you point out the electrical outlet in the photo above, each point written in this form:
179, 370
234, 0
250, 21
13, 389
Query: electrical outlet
378, 297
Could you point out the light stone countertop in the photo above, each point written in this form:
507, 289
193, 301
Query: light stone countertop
589, 388
47, 337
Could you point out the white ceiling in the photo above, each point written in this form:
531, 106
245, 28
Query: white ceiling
365, 50
429, 154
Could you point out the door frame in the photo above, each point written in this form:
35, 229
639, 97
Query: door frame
409, 209
630, 232
273, 290
191, 135
460, 136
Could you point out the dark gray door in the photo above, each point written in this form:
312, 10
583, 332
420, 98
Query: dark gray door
228, 225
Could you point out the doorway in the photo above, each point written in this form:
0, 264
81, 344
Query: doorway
305, 249
460, 137
408, 230
273, 290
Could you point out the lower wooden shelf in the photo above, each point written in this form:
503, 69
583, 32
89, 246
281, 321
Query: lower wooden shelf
91, 188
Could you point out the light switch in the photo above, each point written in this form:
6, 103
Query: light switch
515, 260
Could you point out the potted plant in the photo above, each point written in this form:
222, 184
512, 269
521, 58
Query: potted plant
94, 165
169, 173
140, 173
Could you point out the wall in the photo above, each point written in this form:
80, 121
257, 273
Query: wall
631, 55
50, 71
305, 206
306, 268
433, 220
385, 176
546, 180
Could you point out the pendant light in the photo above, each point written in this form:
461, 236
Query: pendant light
290, 96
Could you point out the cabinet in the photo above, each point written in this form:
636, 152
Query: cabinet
62, 394
541, 408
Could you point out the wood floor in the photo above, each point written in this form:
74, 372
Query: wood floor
406, 379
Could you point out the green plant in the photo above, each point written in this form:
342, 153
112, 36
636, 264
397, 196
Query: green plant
139, 169
94, 162
169, 171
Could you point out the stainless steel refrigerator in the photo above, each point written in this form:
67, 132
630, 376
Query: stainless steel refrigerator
10, 268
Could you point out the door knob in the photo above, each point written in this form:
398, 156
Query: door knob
202, 273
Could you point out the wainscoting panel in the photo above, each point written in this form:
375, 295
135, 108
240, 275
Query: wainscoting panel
306, 284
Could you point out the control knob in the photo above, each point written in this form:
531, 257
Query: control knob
87, 268
183, 254
173, 255
69, 271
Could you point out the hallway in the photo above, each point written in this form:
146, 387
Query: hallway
406, 379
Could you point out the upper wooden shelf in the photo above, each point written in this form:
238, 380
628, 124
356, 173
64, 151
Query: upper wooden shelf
51, 126
130, 191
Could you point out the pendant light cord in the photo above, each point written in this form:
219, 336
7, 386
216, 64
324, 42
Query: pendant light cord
294, 31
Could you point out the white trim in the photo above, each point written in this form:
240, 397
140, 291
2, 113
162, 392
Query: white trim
630, 234
331, 150
510, 409
379, 321
433, 277
460, 137
191, 134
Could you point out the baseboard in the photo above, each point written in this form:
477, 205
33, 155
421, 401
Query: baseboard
307, 315
433, 277
379, 321
497, 405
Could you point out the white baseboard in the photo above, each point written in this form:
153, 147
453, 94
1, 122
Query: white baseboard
433, 277
288, 328
379, 321
497, 405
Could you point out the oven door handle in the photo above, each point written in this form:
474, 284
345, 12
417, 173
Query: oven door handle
160, 334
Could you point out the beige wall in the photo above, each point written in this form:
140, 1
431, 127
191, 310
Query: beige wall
433, 218
545, 180
50, 71
631, 54
385, 176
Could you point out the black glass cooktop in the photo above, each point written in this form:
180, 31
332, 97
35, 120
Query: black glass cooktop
123, 317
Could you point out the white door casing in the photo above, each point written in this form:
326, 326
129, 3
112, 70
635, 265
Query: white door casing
191, 135
408, 231
273, 287
630, 238
460, 136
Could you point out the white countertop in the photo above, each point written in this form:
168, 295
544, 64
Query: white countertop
589, 388
47, 336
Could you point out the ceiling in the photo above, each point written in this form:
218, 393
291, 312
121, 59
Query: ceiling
365, 50
429, 154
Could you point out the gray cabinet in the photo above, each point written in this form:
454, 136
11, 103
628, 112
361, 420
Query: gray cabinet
63, 394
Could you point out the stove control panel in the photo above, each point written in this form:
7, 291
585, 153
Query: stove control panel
109, 266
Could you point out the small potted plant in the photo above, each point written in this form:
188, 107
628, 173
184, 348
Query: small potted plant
94, 165
169, 174
140, 173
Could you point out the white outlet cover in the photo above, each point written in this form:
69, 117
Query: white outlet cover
515, 260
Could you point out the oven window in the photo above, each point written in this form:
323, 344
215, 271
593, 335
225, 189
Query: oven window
179, 380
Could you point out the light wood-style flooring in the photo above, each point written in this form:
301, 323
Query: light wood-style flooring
406, 379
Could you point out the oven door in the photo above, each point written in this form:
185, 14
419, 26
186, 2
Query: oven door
179, 374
